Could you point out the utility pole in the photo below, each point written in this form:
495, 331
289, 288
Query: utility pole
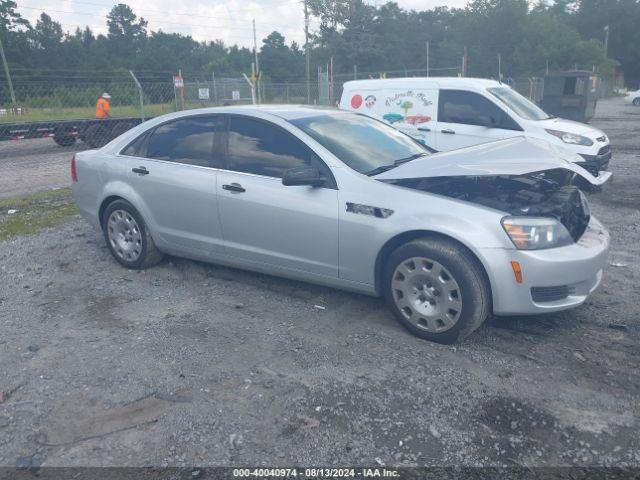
255, 51
427, 58
6, 71
306, 50
606, 40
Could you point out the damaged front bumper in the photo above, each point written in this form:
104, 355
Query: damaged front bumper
597, 165
553, 279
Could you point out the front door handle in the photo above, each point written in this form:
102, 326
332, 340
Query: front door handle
140, 171
448, 131
234, 187
424, 129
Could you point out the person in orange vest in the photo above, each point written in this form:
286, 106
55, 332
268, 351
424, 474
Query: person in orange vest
102, 106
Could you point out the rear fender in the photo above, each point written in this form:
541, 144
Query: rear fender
118, 188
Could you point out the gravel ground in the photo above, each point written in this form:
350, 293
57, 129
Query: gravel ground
193, 364
32, 165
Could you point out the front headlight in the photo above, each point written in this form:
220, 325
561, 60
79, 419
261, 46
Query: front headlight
571, 138
536, 233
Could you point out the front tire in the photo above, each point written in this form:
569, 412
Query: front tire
128, 237
636, 102
436, 289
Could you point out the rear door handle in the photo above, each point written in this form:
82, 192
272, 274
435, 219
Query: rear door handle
140, 171
448, 131
234, 187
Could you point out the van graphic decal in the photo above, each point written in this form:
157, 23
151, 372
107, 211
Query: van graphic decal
370, 101
392, 117
399, 98
356, 101
417, 119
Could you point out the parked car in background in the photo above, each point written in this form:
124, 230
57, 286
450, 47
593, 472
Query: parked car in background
633, 98
344, 200
469, 111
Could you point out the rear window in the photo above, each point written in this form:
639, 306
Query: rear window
136, 148
187, 140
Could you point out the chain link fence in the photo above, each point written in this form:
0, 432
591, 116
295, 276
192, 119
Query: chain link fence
67, 112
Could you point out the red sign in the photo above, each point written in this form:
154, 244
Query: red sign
356, 101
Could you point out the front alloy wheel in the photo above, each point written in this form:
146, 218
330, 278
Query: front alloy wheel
437, 289
427, 294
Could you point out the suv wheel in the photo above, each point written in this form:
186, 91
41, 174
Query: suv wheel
436, 290
636, 102
128, 237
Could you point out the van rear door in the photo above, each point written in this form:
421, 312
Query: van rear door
467, 118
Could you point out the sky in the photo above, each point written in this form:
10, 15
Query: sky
227, 20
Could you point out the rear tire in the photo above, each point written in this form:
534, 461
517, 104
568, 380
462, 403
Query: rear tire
436, 289
128, 237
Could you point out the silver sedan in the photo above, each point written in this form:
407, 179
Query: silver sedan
343, 200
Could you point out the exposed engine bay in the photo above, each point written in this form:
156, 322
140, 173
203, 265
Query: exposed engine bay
540, 194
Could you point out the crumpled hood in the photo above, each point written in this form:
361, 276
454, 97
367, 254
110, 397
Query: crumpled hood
513, 156
570, 126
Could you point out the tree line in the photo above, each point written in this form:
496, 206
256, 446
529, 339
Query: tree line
529, 36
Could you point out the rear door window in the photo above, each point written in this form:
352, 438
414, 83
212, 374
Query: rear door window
187, 140
469, 108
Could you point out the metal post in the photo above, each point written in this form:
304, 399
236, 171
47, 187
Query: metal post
6, 71
355, 72
499, 68
606, 40
141, 93
427, 58
215, 93
253, 88
255, 52
306, 50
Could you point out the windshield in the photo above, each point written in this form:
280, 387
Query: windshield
363, 143
522, 106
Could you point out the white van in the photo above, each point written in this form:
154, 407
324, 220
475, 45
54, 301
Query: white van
450, 113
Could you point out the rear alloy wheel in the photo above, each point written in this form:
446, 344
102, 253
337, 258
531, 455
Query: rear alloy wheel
636, 102
437, 290
128, 237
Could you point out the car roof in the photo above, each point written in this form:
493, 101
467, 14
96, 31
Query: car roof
459, 82
286, 112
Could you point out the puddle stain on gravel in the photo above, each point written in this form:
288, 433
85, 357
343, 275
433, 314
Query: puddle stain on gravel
101, 310
79, 421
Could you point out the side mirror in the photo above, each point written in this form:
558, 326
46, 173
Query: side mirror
309, 176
